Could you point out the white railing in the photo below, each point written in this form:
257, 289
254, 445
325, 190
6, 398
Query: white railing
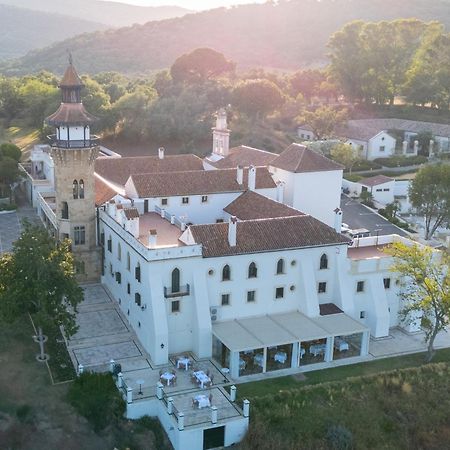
150, 254
35, 180
45, 208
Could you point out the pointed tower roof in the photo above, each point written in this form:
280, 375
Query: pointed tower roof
71, 78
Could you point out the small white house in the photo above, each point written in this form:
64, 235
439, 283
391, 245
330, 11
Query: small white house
370, 144
381, 187
305, 133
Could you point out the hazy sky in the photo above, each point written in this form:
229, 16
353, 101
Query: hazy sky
190, 4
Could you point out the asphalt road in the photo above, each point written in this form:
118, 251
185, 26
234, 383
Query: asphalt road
356, 215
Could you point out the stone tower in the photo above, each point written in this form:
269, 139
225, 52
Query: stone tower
221, 134
74, 151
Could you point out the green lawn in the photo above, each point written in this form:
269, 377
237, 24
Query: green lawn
275, 385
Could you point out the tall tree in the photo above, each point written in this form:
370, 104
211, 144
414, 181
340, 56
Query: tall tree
346, 155
308, 83
429, 193
257, 98
324, 121
38, 278
200, 65
425, 288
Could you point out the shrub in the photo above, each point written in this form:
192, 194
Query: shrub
339, 438
402, 161
8, 207
354, 178
95, 396
365, 165
23, 413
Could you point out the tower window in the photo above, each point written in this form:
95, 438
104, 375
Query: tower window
280, 266
252, 270
176, 280
81, 189
64, 210
323, 262
79, 237
226, 273
137, 272
75, 189
137, 298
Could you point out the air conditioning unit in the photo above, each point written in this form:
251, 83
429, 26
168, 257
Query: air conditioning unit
213, 311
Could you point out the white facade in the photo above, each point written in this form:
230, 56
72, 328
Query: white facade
382, 145
314, 193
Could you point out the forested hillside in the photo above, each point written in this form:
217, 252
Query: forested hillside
286, 35
22, 30
110, 13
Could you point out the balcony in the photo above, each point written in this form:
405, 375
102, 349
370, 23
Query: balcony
181, 292
64, 143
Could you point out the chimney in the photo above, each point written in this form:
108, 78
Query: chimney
280, 192
251, 178
240, 174
338, 220
161, 152
232, 231
152, 238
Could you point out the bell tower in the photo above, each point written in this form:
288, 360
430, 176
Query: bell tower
221, 134
74, 151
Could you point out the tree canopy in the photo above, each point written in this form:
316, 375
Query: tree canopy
429, 193
425, 288
38, 278
324, 121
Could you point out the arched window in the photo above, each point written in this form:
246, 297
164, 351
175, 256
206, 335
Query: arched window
280, 266
176, 280
81, 189
252, 270
119, 251
324, 262
128, 261
226, 273
75, 189
64, 210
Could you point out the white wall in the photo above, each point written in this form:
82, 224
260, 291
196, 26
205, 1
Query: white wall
383, 193
74, 133
376, 144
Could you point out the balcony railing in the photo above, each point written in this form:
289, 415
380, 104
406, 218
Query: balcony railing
65, 143
181, 292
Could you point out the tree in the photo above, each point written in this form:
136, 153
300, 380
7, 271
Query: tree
307, 83
257, 98
200, 65
10, 150
324, 121
429, 193
392, 209
346, 155
366, 198
38, 278
425, 288
9, 173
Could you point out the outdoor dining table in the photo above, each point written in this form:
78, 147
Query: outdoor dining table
202, 378
167, 377
317, 349
184, 362
259, 359
280, 357
202, 401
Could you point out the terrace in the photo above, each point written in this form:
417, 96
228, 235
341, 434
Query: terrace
167, 233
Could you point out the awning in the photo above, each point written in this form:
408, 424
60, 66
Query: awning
279, 329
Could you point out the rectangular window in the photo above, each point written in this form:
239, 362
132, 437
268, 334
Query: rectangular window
379, 190
322, 287
164, 201
185, 200
79, 235
387, 283
137, 298
204, 198
225, 299
360, 286
279, 292
110, 245
362, 314
111, 271
137, 273
176, 306
386, 190
251, 296
128, 288
382, 148
119, 277
219, 220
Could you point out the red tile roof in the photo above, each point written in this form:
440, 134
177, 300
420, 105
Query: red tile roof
197, 182
298, 158
118, 170
244, 156
251, 205
375, 180
71, 78
255, 236
131, 213
70, 113
103, 192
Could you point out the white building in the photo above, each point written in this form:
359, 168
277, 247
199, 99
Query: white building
382, 188
242, 263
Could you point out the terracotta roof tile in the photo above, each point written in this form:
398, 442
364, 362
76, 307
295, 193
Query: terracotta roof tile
131, 213
244, 156
255, 236
197, 182
118, 170
70, 113
251, 205
103, 192
375, 181
298, 158
71, 77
